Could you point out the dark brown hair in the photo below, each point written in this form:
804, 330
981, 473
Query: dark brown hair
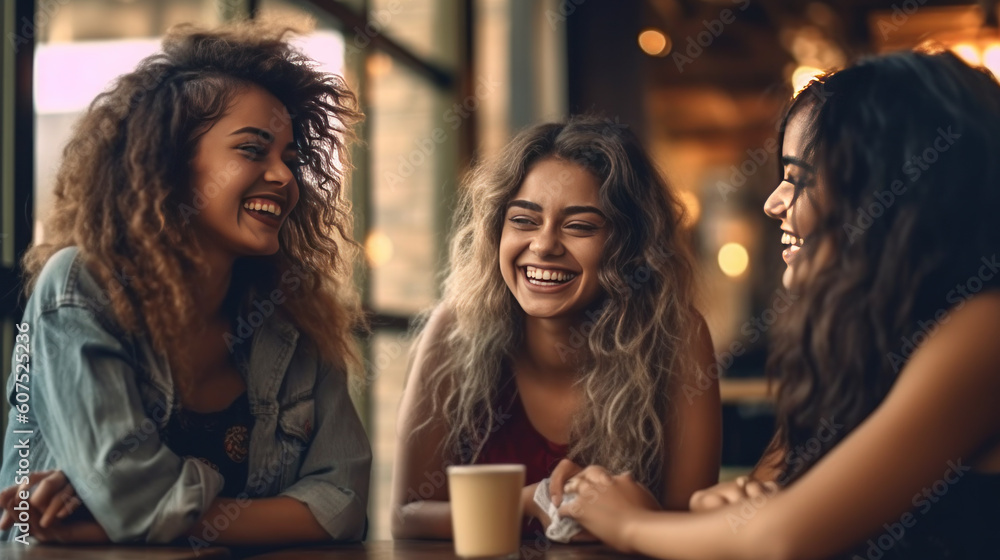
123, 194
905, 149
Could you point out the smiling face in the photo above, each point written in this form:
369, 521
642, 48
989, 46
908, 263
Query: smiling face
553, 236
242, 175
799, 216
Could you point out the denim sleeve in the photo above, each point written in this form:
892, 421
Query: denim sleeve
333, 477
90, 412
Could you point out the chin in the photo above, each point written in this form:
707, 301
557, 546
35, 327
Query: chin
786, 277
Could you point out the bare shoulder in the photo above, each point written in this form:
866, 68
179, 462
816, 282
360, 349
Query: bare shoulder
954, 371
963, 338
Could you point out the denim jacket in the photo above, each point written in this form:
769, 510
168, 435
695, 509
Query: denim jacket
99, 396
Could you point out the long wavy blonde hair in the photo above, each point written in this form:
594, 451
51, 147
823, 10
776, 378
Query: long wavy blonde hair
123, 189
638, 334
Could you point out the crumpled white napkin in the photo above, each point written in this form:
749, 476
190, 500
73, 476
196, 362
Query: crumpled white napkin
561, 529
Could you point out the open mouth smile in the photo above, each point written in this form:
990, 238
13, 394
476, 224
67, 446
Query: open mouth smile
793, 244
546, 277
264, 210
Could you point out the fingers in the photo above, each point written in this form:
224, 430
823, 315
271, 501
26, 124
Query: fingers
730, 493
705, 500
61, 505
46, 489
7, 502
84, 532
755, 488
565, 470
31, 485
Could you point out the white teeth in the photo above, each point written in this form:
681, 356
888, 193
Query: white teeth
789, 239
263, 207
551, 276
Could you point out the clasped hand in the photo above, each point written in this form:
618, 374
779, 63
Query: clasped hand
51, 508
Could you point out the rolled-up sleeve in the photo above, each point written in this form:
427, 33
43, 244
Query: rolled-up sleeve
334, 474
91, 415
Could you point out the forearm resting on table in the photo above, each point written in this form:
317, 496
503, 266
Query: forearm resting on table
681, 536
262, 521
425, 519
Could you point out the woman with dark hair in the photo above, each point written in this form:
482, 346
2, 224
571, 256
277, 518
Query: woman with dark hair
566, 329
191, 312
888, 369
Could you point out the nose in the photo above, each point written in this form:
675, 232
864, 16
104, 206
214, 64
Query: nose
278, 173
546, 243
777, 204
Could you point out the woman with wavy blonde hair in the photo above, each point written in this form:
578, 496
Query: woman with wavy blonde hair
566, 330
191, 309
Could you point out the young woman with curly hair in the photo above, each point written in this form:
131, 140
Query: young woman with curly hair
191, 309
566, 330
888, 367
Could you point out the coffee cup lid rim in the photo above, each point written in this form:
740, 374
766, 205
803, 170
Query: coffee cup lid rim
474, 469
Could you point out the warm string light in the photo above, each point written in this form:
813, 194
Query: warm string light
655, 42
733, 259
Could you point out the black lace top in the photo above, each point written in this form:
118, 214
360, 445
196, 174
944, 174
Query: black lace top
220, 439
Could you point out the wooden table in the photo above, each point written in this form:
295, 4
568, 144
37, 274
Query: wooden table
430, 550
16, 551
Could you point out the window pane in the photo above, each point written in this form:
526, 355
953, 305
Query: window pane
411, 149
388, 361
81, 48
427, 27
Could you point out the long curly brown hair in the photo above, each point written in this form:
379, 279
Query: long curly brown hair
636, 342
905, 149
123, 192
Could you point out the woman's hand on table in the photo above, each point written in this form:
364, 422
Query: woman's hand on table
51, 498
731, 492
605, 504
54, 510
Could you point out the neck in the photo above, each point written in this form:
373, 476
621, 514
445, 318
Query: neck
554, 348
213, 286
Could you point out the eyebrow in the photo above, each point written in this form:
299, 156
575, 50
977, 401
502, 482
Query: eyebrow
263, 134
792, 160
568, 211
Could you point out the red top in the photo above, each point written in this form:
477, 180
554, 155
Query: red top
516, 441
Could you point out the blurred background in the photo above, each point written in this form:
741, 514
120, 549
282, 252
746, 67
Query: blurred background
445, 83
